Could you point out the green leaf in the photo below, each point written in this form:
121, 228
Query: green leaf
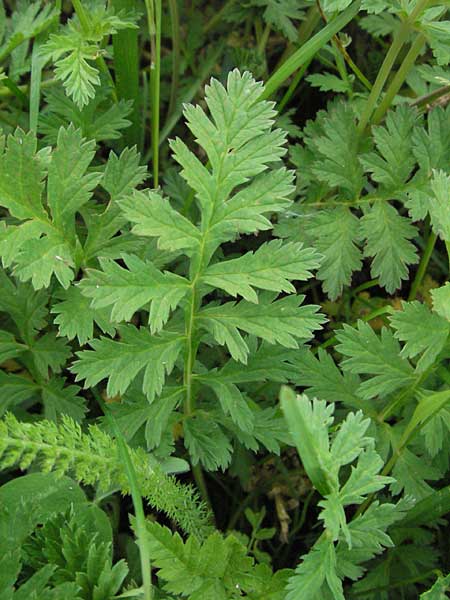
327, 82
271, 267
31, 500
15, 389
323, 379
207, 443
439, 589
281, 321
336, 232
438, 36
364, 478
431, 145
101, 120
26, 307
393, 162
20, 162
240, 144
316, 575
441, 301
46, 243
422, 331
247, 210
153, 216
60, 400
128, 290
43, 257
49, 352
69, 185
308, 423
388, 242
368, 533
123, 174
265, 363
378, 357
72, 55
411, 474
279, 14
121, 361
336, 152
209, 570
76, 317
439, 207
28, 20
9, 347
233, 403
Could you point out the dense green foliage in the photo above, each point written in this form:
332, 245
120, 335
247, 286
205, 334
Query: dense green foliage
224, 300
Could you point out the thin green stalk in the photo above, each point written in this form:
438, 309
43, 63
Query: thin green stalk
345, 55
154, 26
217, 18
141, 527
389, 60
398, 42
263, 40
190, 93
176, 54
35, 86
399, 78
423, 265
187, 97
309, 49
81, 14
126, 71
427, 99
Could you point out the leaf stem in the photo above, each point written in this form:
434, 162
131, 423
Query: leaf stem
154, 27
399, 78
397, 44
423, 265
35, 86
176, 53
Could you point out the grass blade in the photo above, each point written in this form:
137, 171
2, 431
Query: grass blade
308, 50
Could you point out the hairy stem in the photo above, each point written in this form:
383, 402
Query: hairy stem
397, 44
399, 78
